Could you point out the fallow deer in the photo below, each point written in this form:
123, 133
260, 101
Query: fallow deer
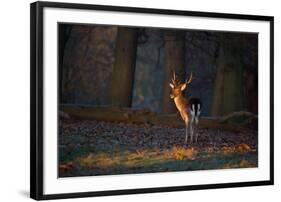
189, 108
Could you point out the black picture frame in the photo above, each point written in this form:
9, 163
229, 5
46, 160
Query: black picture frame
36, 99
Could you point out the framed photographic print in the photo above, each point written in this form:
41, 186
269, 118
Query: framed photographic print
135, 100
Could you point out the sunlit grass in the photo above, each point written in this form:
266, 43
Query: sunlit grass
101, 160
138, 155
173, 159
181, 153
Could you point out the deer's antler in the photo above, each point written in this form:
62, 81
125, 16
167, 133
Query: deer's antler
189, 80
174, 82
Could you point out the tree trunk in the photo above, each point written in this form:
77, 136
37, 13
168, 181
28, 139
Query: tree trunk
87, 66
228, 91
124, 67
174, 61
250, 73
64, 33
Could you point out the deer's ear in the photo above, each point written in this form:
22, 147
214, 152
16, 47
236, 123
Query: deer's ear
171, 85
183, 86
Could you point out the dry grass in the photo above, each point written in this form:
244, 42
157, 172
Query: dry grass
181, 153
87, 161
66, 167
102, 161
106, 162
138, 155
131, 159
243, 148
191, 157
240, 148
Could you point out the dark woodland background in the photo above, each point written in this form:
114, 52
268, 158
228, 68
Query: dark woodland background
93, 69
116, 115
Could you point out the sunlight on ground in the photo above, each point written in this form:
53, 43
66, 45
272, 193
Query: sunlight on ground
165, 159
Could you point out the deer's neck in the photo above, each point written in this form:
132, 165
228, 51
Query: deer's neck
180, 102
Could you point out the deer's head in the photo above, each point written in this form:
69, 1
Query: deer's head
178, 87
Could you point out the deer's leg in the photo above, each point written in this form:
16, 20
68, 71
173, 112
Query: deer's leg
186, 130
191, 129
192, 117
183, 116
196, 128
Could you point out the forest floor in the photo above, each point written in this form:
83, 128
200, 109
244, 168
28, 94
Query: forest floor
103, 148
